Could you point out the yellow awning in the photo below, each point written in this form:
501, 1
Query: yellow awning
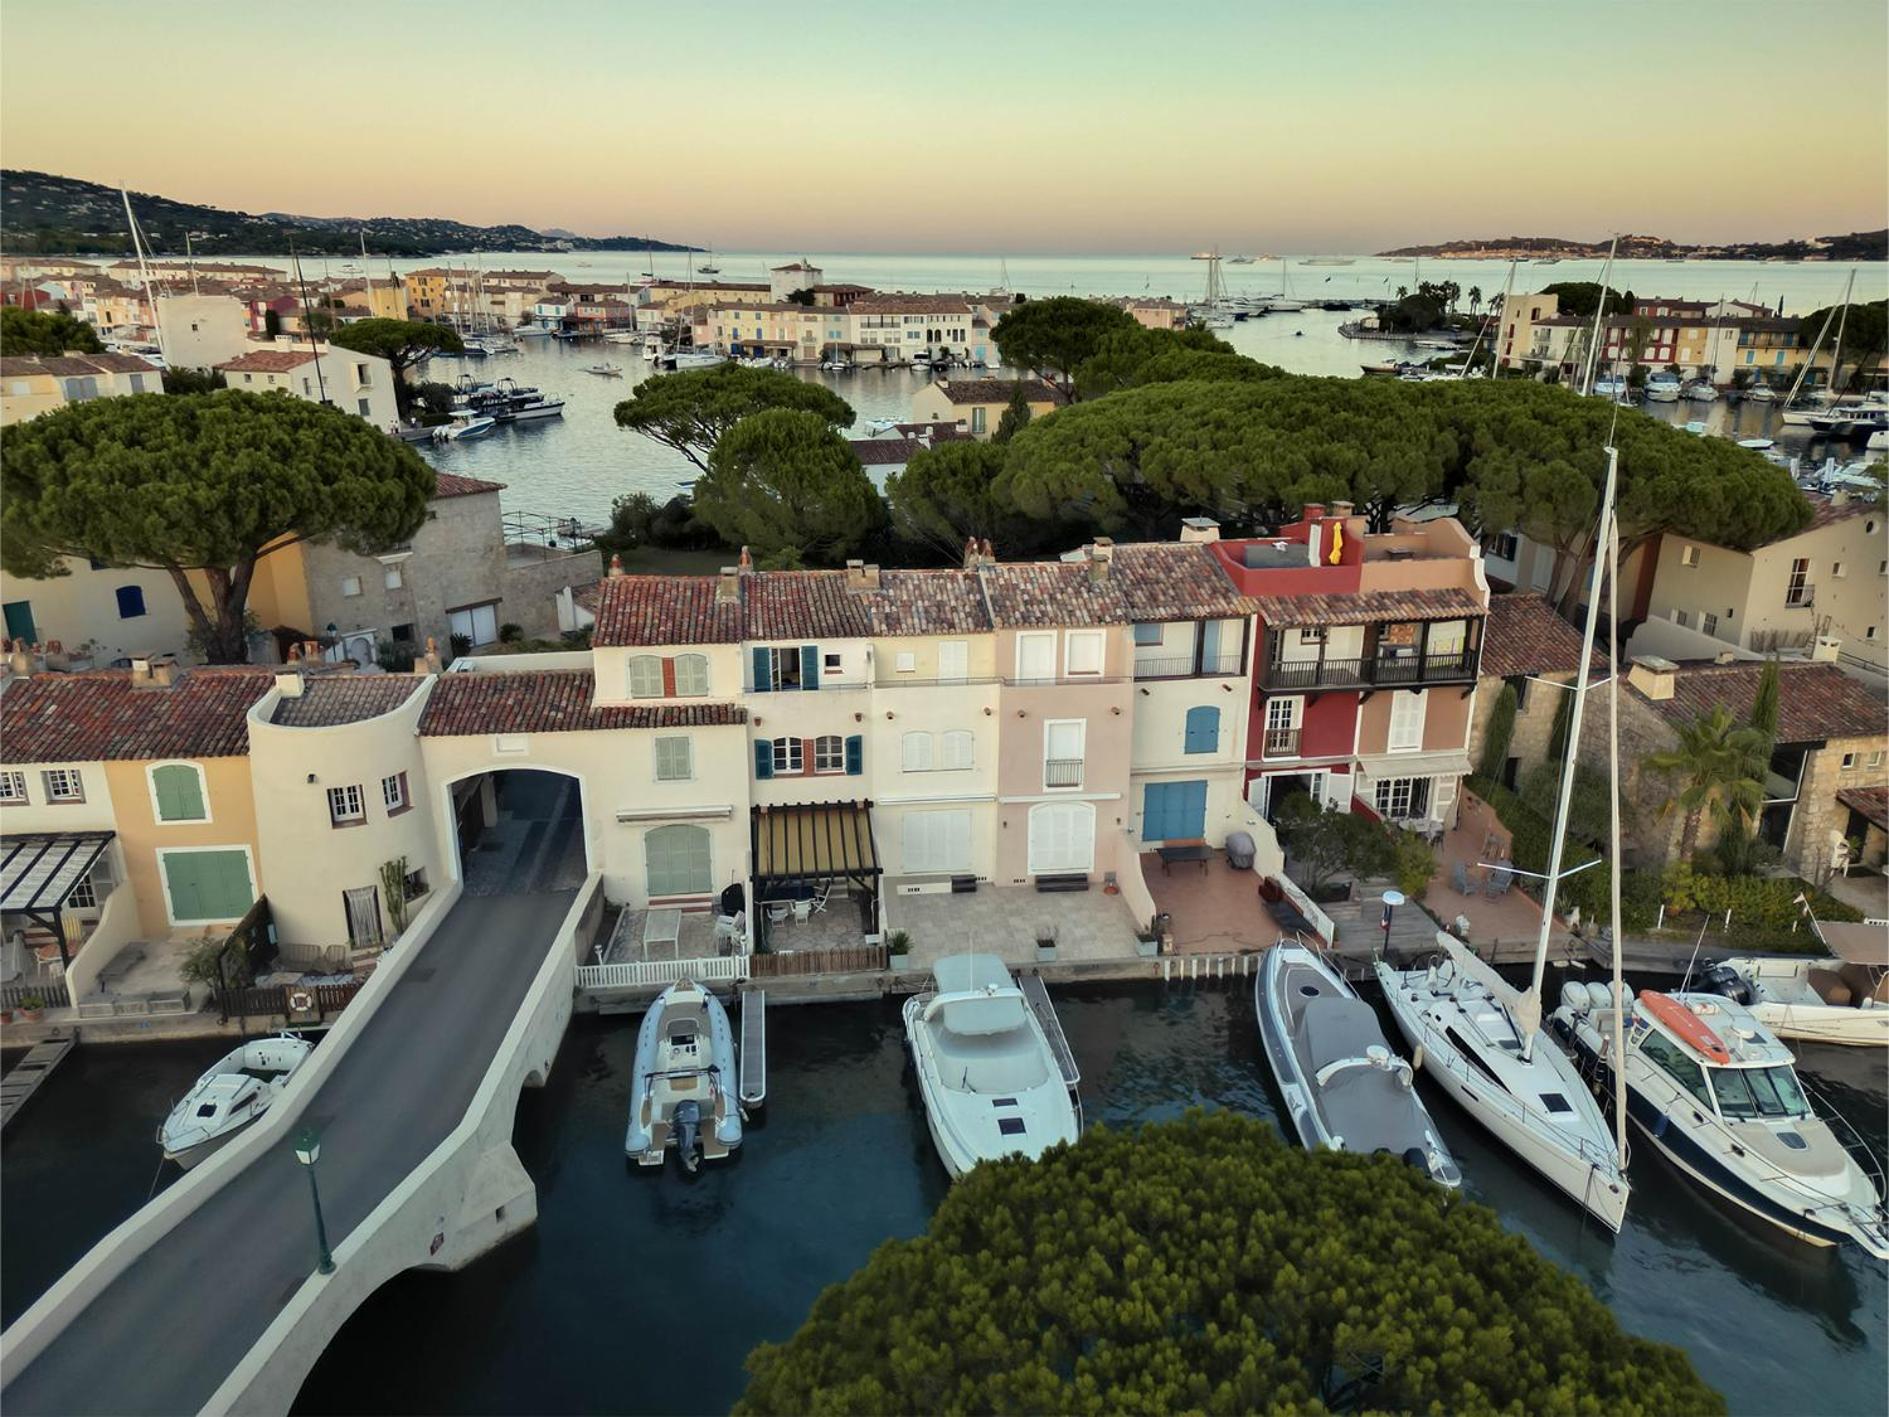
814, 843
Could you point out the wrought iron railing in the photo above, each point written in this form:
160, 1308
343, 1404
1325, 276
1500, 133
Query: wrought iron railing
1062, 772
1182, 666
1314, 673
1364, 673
1427, 669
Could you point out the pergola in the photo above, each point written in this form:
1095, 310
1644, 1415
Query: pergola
798, 847
40, 870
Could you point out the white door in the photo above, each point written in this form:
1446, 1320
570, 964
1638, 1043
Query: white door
954, 661
1062, 837
478, 623
937, 841
1036, 657
1406, 734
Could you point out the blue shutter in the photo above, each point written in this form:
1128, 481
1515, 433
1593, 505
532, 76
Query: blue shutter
855, 755
1174, 811
763, 758
1154, 802
1209, 645
1203, 729
763, 671
810, 666
1192, 809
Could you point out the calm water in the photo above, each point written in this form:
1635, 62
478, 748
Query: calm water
642, 1292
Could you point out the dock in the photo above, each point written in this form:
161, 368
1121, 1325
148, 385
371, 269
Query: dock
18, 1087
1036, 994
753, 1047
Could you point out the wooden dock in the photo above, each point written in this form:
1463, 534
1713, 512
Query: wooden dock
17, 1087
1036, 994
753, 1047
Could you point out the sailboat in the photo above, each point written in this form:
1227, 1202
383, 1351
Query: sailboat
1283, 301
1481, 1037
1801, 418
708, 267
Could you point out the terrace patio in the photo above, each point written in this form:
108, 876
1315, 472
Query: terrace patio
1007, 920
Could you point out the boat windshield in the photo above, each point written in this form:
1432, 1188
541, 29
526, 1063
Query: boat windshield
1673, 1060
1759, 1092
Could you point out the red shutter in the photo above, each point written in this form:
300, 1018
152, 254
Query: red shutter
806, 756
668, 678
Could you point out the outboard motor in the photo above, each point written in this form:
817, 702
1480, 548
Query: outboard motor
687, 1121
1723, 980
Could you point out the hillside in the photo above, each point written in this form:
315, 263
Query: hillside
44, 214
1856, 246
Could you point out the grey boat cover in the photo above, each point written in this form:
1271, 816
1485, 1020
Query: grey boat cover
1370, 1107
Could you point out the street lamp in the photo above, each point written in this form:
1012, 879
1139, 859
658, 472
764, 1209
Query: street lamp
1392, 899
308, 1152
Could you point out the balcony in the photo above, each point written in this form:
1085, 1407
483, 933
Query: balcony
1427, 669
1316, 674
1281, 743
1182, 666
1367, 673
1062, 772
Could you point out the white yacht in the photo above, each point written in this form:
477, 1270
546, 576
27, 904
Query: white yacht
464, 426
695, 359
1844, 999
1761, 393
1663, 388
1611, 386
683, 1083
231, 1095
605, 371
1700, 391
992, 1083
1467, 1022
1714, 1092
1344, 1087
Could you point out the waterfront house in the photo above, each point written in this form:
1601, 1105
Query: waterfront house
1155, 312
32, 384
976, 406
356, 383
202, 331
940, 327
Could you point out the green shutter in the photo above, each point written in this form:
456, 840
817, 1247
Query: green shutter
208, 885
179, 793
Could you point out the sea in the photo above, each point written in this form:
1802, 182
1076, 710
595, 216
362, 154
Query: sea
577, 466
642, 1291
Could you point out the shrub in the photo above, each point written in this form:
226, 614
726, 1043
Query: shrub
1413, 863
510, 634
1499, 733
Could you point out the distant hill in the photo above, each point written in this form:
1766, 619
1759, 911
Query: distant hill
48, 215
1856, 246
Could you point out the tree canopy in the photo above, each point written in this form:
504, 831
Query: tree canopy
1203, 1265
1582, 297
1130, 357
691, 409
944, 495
786, 485
45, 332
202, 486
402, 343
1865, 339
1054, 337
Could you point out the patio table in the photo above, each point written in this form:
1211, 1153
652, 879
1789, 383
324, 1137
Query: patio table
662, 927
1193, 852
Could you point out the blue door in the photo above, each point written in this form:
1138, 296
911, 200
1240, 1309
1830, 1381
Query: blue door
1173, 811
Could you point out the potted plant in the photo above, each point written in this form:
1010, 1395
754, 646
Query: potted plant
1148, 941
1045, 944
32, 1007
898, 944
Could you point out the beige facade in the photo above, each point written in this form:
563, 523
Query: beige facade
31, 385
147, 842
361, 384
203, 331
977, 405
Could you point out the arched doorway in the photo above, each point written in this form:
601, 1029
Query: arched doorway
518, 831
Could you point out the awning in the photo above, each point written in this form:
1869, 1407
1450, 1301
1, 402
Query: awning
1857, 943
1383, 765
1872, 802
39, 870
814, 843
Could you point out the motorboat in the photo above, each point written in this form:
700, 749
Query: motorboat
652, 348
837, 366
683, 1082
1344, 1087
510, 402
1611, 386
605, 371
1757, 445
993, 1084
623, 337
1760, 393
1714, 1092
1468, 1025
463, 427
1663, 388
1700, 391
533, 332
1843, 998
695, 359
873, 427
1696, 427
1878, 441
233, 1093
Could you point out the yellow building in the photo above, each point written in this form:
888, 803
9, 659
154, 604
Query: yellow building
977, 405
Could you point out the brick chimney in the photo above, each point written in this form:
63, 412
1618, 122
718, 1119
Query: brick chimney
1839, 496
430, 662
153, 671
970, 553
1101, 554
728, 586
616, 565
1199, 529
1652, 676
747, 561
860, 576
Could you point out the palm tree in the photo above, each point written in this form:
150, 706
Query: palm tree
1720, 767
1475, 298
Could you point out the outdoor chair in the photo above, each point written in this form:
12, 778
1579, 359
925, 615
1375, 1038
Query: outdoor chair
778, 911
729, 927
1499, 883
821, 895
1459, 878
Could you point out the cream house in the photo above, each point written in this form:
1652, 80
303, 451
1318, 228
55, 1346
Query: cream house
976, 406
34, 384
357, 383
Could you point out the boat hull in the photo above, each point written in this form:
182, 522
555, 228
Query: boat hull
1821, 1023
190, 1156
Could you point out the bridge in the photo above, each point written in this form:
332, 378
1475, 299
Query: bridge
208, 1299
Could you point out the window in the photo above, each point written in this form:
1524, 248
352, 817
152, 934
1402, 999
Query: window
1062, 837
1875, 759
1082, 653
1836, 570
404, 634
1709, 623
64, 785
1688, 555
366, 408
350, 585
1147, 634
1503, 546
788, 756
12, 787
786, 667
675, 759
1849, 761
1797, 589
954, 661
1036, 657
391, 578
905, 662
1403, 799
361, 376
691, 672
413, 886
393, 793
1759, 1092
677, 861
130, 602
1406, 730
177, 793
202, 886
478, 624
345, 807
645, 677
84, 895
915, 752
830, 662
1672, 1060
1062, 752
1282, 727
1683, 619
958, 750
1312, 635
829, 753
1202, 732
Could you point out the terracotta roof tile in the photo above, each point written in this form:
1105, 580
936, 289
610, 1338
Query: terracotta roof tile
884, 452
1030, 593
926, 603
550, 701
451, 484
1872, 802
969, 391
347, 698
1815, 701
664, 610
802, 605
1368, 607
98, 716
21, 366
267, 361
1175, 581
1525, 636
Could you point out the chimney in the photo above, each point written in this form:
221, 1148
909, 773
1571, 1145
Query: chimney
430, 663
1199, 529
1839, 496
164, 671
1823, 649
616, 565
1101, 553
1342, 509
1314, 512
20, 657
860, 576
747, 561
1652, 676
970, 552
728, 586
289, 683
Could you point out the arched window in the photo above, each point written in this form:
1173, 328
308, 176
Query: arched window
177, 793
1203, 729
645, 677
915, 752
691, 675
959, 750
677, 859
1062, 837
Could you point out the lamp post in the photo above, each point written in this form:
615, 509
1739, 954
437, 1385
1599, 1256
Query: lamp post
1392, 899
308, 1152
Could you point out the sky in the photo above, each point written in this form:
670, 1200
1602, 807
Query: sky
1053, 126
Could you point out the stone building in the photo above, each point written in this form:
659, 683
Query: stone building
1532, 650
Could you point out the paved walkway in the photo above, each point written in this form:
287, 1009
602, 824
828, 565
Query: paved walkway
166, 1333
1005, 921
1216, 911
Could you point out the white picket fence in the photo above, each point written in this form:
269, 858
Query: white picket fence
633, 974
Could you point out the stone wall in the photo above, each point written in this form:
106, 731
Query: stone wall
1819, 816
532, 583
1648, 838
1534, 719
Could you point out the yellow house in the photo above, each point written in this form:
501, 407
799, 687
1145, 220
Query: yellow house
34, 384
977, 405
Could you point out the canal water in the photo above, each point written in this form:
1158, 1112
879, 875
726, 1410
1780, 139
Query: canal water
642, 1291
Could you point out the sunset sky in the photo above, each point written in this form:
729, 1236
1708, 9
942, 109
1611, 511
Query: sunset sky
1348, 125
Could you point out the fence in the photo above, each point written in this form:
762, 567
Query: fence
314, 959
858, 959
634, 974
286, 1000
51, 993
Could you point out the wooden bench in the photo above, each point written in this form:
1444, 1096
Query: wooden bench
1195, 849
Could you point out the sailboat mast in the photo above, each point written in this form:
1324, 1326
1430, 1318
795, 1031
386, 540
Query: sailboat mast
144, 272
1811, 359
1600, 315
1843, 315
1613, 826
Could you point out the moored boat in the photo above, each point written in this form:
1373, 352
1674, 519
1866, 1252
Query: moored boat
1663, 388
1841, 999
683, 1082
235, 1091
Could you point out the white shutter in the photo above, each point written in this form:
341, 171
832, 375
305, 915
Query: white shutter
954, 661
959, 750
1406, 731
1063, 739
1084, 650
1036, 657
915, 752
937, 841
1062, 837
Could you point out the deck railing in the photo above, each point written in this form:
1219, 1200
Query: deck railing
1362, 673
641, 973
1062, 772
1182, 666
854, 959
